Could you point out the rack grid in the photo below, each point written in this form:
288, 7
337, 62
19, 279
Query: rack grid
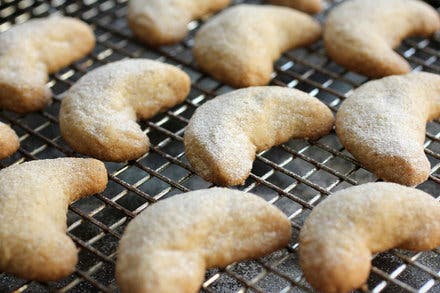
294, 176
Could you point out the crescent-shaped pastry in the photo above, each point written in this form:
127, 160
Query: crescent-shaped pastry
9, 142
361, 35
239, 45
224, 134
383, 124
33, 203
341, 234
168, 247
309, 6
98, 114
30, 51
164, 22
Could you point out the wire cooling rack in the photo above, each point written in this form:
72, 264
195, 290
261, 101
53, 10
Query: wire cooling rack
294, 176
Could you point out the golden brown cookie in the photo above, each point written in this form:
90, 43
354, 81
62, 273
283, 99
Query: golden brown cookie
224, 134
33, 203
9, 142
360, 35
342, 232
98, 114
168, 247
239, 45
30, 51
383, 124
309, 6
164, 22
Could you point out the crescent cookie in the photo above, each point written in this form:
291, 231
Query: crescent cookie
341, 234
33, 203
168, 247
98, 114
360, 35
164, 22
239, 45
224, 134
309, 6
30, 51
383, 124
9, 142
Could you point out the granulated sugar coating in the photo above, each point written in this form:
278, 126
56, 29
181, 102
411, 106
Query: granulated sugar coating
340, 235
164, 22
383, 125
98, 114
168, 247
30, 51
360, 35
33, 203
224, 134
239, 45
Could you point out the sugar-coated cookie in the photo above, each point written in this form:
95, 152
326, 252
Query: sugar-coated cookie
309, 6
360, 35
33, 203
9, 142
342, 232
383, 124
30, 51
98, 114
239, 45
164, 22
224, 134
168, 247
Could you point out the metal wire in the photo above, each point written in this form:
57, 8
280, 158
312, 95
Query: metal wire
294, 176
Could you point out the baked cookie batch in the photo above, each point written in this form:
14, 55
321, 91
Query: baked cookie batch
168, 247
